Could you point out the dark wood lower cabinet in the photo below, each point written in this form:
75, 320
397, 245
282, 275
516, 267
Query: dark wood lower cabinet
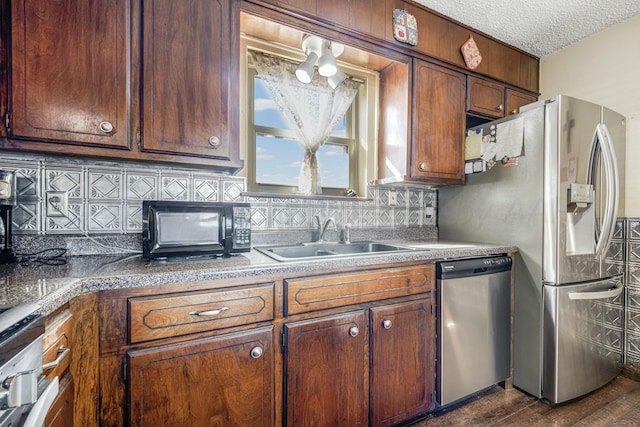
374, 366
402, 361
326, 371
219, 381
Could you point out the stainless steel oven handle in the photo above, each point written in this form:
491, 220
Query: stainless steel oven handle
208, 313
63, 352
38, 412
609, 293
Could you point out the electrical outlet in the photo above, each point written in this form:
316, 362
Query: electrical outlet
393, 198
57, 204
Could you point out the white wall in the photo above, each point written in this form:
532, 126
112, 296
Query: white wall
605, 69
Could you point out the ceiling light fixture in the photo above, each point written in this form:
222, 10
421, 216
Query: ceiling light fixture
337, 79
324, 52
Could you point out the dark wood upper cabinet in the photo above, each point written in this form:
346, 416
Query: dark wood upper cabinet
485, 97
69, 76
438, 124
516, 99
190, 78
493, 100
155, 79
226, 380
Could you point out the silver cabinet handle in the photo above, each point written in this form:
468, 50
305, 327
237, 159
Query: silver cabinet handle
63, 352
500, 107
106, 127
422, 166
214, 141
256, 352
354, 331
209, 312
386, 324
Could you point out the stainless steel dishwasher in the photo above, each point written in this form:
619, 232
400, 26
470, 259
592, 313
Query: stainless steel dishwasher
474, 300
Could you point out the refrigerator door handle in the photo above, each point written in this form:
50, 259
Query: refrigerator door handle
609, 293
602, 142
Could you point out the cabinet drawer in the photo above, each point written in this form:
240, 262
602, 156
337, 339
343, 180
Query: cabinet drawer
336, 290
57, 345
178, 314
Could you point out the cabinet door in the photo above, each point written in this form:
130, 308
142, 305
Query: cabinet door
69, 71
516, 99
191, 69
326, 371
226, 380
403, 361
485, 97
438, 124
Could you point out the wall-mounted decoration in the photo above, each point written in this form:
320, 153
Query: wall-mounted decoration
471, 53
405, 27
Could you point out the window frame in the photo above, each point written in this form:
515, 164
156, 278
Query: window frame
351, 142
367, 118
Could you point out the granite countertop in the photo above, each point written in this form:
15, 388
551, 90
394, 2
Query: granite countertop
51, 286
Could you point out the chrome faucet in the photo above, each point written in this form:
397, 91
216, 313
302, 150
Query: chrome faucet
325, 226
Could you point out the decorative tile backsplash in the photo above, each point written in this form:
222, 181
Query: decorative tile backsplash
632, 281
106, 198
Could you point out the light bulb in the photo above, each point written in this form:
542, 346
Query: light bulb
327, 64
305, 70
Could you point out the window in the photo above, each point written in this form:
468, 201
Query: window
275, 155
353, 143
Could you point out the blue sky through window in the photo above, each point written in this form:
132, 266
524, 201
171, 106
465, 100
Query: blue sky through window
278, 159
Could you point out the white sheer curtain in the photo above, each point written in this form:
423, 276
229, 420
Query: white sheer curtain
313, 110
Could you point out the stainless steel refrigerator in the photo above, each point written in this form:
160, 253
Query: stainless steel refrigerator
558, 205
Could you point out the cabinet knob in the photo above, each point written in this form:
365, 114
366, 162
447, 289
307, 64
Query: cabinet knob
214, 141
422, 166
500, 107
256, 352
387, 324
106, 127
354, 331
514, 111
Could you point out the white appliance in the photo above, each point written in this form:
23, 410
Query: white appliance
559, 207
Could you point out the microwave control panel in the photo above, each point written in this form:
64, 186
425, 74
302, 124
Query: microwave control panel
241, 227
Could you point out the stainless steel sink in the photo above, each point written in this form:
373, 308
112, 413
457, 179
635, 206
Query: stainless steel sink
329, 250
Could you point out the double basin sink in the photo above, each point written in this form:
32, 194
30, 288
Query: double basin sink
329, 250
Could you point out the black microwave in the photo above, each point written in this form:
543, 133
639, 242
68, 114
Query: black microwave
184, 229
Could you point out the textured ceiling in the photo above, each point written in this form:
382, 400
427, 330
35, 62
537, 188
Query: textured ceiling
539, 27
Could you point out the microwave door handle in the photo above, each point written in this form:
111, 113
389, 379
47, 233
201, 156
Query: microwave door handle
38, 412
609, 293
602, 143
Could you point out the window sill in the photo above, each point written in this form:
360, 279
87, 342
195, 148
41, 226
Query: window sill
303, 197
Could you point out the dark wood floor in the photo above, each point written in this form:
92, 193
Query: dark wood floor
616, 404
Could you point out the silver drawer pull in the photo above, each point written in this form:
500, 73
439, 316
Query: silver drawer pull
63, 352
386, 324
208, 313
354, 331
